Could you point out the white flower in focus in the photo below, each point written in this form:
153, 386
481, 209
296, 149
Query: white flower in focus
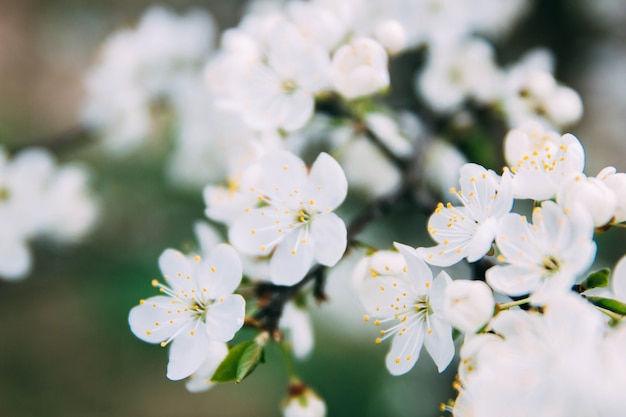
200, 380
303, 402
548, 255
295, 223
468, 305
468, 231
590, 194
616, 181
296, 322
402, 296
541, 160
457, 73
198, 307
359, 68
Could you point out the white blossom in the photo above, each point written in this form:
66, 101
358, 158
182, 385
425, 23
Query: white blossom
548, 255
468, 231
616, 181
400, 294
296, 322
359, 68
198, 307
541, 160
200, 380
295, 223
590, 194
468, 305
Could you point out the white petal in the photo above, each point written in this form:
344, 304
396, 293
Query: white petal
301, 105
418, 271
438, 342
187, 352
297, 322
441, 255
257, 233
225, 317
513, 280
329, 235
482, 240
201, 379
150, 321
220, 273
283, 171
619, 279
177, 270
15, 259
405, 350
327, 184
292, 259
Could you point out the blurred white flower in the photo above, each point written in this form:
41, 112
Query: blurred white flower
30, 181
303, 402
359, 68
137, 68
442, 164
547, 256
468, 305
198, 307
295, 224
296, 323
456, 73
468, 231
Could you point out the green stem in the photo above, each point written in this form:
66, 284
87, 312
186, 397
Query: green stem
286, 354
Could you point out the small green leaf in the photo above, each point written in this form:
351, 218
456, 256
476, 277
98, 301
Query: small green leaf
609, 304
228, 369
250, 358
597, 279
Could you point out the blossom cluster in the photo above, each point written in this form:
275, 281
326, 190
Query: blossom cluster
40, 199
282, 118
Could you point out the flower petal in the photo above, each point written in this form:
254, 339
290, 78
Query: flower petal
177, 270
187, 353
513, 280
420, 274
329, 235
292, 259
225, 317
438, 342
405, 350
482, 240
220, 274
327, 184
256, 232
284, 173
201, 379
150, 321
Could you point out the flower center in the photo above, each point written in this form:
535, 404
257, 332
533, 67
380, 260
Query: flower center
422, 305
303, 216
550, 264
289, 86
4, 193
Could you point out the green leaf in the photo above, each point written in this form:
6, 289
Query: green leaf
609, 304
597, 279
252, 355
228, 369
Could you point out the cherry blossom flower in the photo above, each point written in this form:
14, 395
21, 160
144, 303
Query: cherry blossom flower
198, 307
547, 255
541, 160
468, 231
468, 305
295, 223
402, 296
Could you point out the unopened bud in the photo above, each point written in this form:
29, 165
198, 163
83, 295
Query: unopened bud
468, 305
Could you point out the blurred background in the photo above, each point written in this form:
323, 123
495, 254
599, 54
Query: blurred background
65, 345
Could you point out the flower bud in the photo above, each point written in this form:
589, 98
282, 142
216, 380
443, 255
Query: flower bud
616, 181
360, 68
468, 305
591, 194
392, 35
303, 402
